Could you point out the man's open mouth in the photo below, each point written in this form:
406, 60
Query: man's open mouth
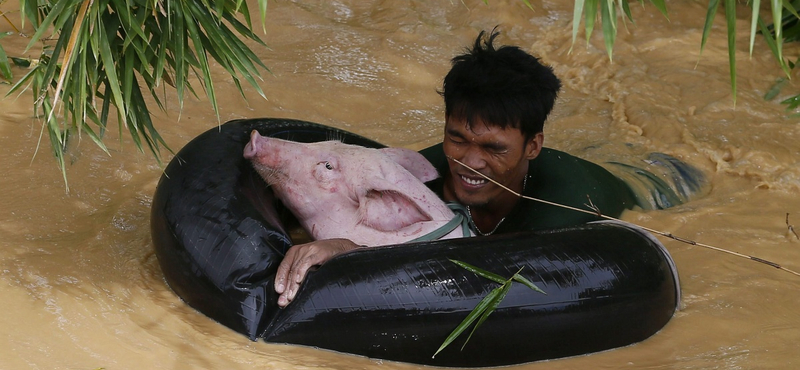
472, 181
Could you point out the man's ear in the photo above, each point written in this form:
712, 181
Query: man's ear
534, 146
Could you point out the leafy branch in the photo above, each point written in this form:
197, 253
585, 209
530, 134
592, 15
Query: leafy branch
488, 304
107, 52
773, 35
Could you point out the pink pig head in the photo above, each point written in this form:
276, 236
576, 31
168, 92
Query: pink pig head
336, 190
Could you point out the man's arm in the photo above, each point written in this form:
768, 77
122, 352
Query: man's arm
300, 258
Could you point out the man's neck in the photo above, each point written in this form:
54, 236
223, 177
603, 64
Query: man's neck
488, 217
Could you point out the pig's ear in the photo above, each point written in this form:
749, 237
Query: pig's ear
389, 210
413, 162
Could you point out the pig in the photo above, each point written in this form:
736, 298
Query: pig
370, 196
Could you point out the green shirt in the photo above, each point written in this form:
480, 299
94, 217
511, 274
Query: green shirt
556, 177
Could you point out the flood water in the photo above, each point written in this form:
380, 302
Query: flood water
81, 289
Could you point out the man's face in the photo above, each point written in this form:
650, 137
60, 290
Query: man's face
500, 154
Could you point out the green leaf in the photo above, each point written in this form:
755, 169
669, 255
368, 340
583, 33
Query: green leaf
262, 7
730, 17
710, 13
608, 14
626, 8
756, 7
5, 66
480, 272
21, 62
576, 20
661, 6
771, 43
475, 314
792, 102
59, 8
109, 64
776, 88
590, 17
777, 15
491, 306
521, 279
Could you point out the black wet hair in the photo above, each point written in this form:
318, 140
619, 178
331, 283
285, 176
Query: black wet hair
504, 87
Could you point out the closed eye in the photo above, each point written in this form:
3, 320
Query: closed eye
328, 165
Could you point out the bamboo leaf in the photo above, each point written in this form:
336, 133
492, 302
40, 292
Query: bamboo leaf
25, 81
75, 40
262, 7
197, 41
776, 88
576, 21
754, 23
590, 17
480, 272
771, 43
59, 8
475, 314
521, 279
491, 306
661, 6
777, 16
5, 66
710, 13
609, 19
788, 6
109, 65
626, 8
97, 139
792, 102
730, 16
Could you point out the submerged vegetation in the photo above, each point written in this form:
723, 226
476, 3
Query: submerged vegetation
114, 50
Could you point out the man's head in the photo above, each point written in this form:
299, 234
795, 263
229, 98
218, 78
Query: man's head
496, 102
504, 86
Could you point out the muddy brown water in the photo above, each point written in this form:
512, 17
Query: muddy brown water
81, 289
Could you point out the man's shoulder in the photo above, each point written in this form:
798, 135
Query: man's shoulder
561, 178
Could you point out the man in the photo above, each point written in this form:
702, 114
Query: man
496, 102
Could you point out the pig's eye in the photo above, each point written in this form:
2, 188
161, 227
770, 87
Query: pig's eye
328, 165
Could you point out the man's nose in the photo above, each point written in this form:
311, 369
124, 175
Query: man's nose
474, 158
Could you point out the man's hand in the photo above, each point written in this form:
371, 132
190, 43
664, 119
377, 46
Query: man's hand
302, 257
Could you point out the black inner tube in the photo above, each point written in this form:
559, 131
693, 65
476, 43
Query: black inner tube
219, 237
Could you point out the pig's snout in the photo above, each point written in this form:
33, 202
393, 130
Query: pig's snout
251, 149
